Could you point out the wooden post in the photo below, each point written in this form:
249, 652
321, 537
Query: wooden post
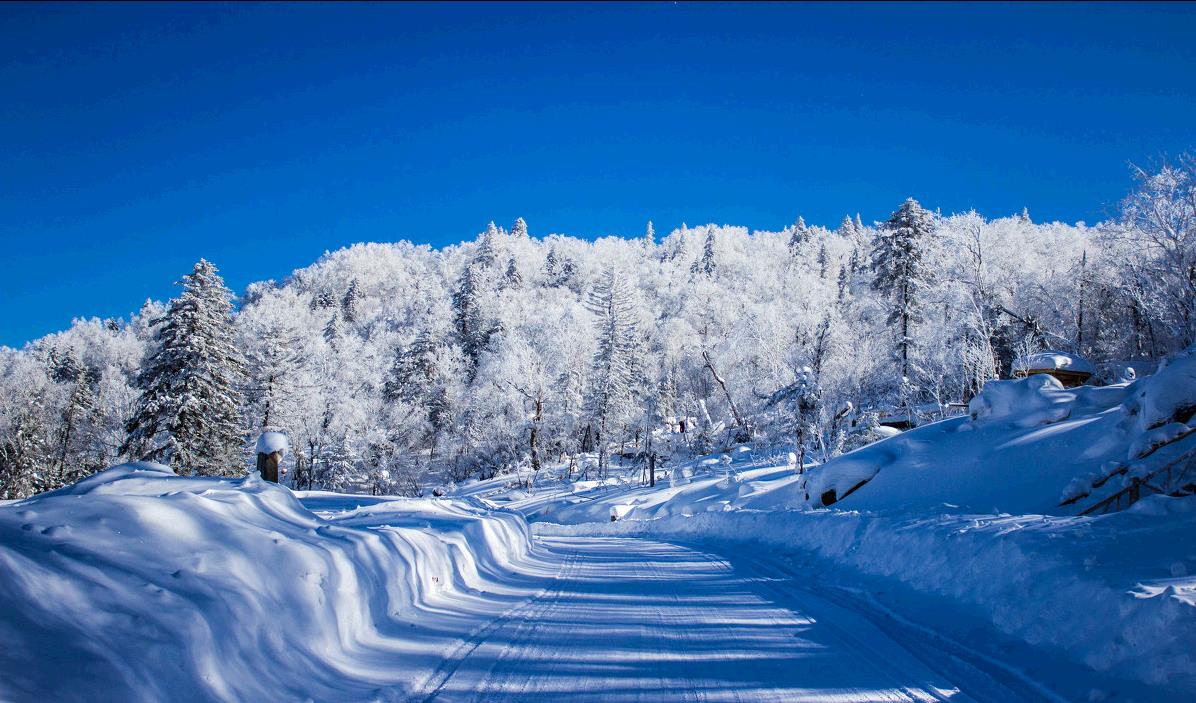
267, 465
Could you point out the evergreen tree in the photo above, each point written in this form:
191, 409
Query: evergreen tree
487, 255
847, 228
650, 237
900, 271
350, 302
467, 314
78, 418
519, 229
615, 373
512, 278
188, 415
799, 235
706, 263
332, 331
25, 454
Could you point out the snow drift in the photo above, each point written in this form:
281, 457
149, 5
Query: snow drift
138, 585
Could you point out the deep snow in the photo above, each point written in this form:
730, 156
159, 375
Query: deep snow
959, 558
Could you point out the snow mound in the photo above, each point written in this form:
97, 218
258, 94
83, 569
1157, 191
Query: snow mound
138, 585
1025, 402
1052, 361
1165, 397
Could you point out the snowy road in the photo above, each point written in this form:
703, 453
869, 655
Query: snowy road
637, 620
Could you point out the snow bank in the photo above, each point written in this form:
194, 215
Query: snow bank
1023, 445
1165, 398
1108, 592
138, 585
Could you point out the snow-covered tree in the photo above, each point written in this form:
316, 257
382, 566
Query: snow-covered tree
616, 374
901, 272
188, 415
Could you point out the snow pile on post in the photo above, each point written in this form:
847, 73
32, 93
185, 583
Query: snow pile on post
270, 442
156, 587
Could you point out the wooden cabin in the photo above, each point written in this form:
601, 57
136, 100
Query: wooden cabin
1071, 370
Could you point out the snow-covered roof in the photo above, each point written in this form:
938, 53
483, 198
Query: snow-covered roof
270, 442
1053, 361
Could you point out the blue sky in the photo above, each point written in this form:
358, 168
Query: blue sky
135, 139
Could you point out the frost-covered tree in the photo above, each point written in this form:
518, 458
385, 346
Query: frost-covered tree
799, 235
706, 263
519, 229
901, 272
616, 374
189, 412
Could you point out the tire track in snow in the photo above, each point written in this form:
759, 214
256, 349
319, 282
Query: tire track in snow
986, 680
530, 623
443, 673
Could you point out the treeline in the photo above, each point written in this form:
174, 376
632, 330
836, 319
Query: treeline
393, 365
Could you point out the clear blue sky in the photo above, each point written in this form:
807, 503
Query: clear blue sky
135, 139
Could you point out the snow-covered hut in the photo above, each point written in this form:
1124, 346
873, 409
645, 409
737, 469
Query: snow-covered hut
1070, 369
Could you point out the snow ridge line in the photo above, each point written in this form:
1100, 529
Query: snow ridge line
443, 673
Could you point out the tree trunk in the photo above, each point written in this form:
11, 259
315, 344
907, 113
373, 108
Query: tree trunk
723, 384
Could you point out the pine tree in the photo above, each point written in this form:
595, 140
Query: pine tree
900, 271
332, 331
519, 229
512, 278
615, 374
487, 254
706, 263
350, 302
847, 228
188, 415
78, 416
467, 314
25, 454
650, 237
799, 235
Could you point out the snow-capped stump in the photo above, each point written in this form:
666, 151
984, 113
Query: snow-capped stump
271, 446
1071, 370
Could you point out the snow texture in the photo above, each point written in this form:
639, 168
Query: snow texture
139, 585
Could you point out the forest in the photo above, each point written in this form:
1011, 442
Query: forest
397, 368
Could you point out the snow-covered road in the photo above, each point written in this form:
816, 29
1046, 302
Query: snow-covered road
637, 620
